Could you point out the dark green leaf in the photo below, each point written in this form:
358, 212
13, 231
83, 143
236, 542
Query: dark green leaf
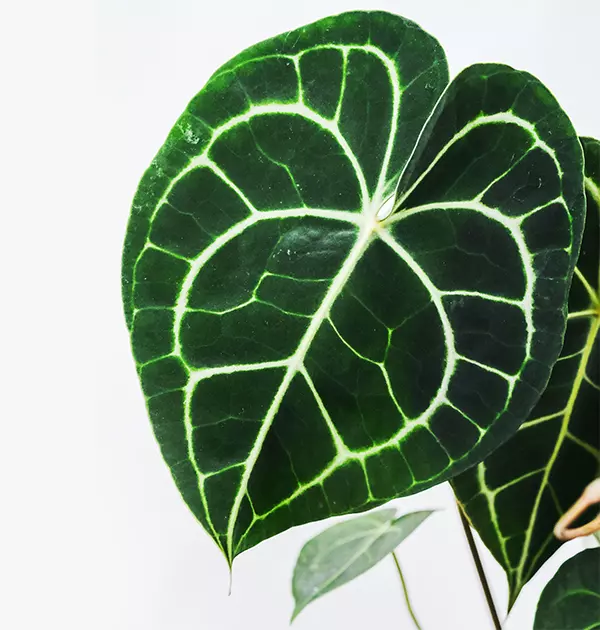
571, 600
304, 354
347, 550
515, 497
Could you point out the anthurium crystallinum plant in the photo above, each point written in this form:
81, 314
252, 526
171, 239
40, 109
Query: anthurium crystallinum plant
346, 281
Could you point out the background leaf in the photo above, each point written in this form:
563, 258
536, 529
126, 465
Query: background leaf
516, 496
304, 356
347, 550
571, 600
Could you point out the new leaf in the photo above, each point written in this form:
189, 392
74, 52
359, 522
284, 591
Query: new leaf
346, 550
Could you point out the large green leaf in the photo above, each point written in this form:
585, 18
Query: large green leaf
515, 497
347, 550
302, 353
571, 600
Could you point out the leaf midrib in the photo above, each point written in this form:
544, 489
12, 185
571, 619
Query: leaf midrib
369, 210
296, 362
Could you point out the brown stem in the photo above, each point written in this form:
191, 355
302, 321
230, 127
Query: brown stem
480, 571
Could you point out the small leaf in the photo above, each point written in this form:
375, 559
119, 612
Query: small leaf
571, 600
347, 550
515, 497
302, 355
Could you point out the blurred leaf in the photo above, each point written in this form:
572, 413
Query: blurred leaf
571, 600
347, 550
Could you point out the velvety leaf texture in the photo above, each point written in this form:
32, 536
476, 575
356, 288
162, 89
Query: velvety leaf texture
303, 352
347, 550
571, 600
515, 497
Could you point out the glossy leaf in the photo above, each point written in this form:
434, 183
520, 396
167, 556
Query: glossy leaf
347, 550
571, 600
516, 496
303, 352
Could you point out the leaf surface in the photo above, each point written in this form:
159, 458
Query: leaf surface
347, 550
571, 600
515, 497
303, 352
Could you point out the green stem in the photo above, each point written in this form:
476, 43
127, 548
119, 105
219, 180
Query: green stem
405, 590
480, 570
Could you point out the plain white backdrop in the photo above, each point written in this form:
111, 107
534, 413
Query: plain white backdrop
94, 535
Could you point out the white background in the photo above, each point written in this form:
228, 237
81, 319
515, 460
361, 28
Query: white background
93, 534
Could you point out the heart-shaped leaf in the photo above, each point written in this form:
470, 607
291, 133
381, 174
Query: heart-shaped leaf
571, 600
347, 550
305, 354
515, 497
